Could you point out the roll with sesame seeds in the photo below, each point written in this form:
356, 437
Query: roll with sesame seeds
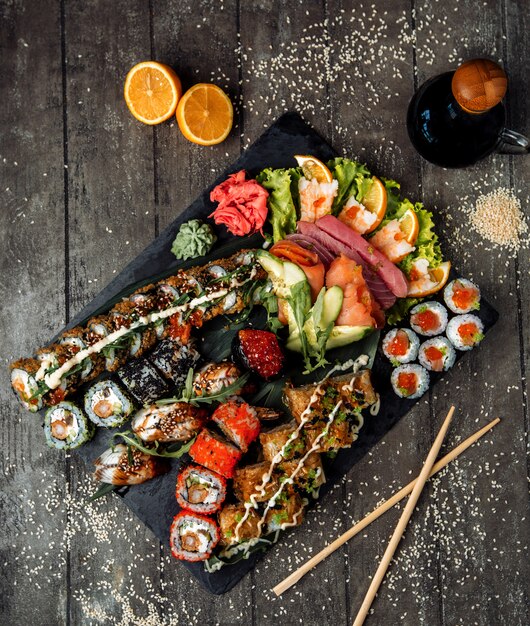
178, 421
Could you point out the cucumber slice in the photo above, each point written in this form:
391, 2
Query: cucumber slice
344, 335
283, 274
333, 299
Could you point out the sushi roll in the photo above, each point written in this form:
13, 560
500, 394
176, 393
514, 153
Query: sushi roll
437, 354
428, 318
239, 422
465, 331
140, 341
66, 426
248, 483
200, 490
107, 405
462, 296
193, 537
279, 440
339, 436
400, 345
142, 381
25, 384
410, 381
230, 518
73, 341
98, 328
174, 359
211, 378
179, 421
259, 352
309, 478
144, 300
121, 465
215, 453
289, 511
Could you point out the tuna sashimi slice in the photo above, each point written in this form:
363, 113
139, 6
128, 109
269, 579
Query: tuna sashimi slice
310, 243
391, 275
378, 288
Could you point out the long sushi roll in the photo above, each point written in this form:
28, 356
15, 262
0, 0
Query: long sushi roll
428, 318
410, 381
437, 354
465, 331
66, 426
239, 422
200, 490
462, 296
400, 345
215, 453
179, 421
193, 537
106, 404
98, 328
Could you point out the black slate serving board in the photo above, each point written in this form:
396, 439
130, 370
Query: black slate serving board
154, 502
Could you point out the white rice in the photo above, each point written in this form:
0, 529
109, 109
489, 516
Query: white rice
444, 345
411, 353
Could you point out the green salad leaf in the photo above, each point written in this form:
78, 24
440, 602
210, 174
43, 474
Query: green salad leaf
353, 178
282, 185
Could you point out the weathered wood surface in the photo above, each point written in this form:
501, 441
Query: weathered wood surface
84, 187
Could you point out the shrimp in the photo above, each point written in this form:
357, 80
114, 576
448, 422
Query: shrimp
316, 199
391, 241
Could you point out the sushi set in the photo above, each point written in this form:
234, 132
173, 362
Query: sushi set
221, 395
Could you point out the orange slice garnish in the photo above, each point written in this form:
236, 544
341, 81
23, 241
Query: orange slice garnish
409, 226
152, 91
439, 275
205, 114
375, 201
314, 168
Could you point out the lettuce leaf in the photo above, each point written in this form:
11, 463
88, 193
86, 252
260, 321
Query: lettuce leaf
354, 179
282, 185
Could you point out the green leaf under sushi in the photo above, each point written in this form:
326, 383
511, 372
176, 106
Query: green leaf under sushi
169, 452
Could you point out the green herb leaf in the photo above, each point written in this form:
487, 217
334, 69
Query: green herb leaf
103, 490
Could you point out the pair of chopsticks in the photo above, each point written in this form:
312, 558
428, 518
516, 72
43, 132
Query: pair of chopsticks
414, 488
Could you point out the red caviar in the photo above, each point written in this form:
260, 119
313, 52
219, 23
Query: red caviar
399, 344
468, 333
464, 297
407, 382
427, 320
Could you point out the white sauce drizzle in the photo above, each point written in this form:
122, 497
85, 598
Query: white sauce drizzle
53, 380
304, 418
374, 409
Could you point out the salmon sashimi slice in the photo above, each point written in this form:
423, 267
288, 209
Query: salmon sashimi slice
359, 308
307, 260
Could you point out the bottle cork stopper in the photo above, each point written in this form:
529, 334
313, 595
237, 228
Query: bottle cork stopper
479, 85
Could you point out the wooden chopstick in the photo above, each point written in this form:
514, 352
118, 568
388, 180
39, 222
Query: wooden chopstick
293, 578
403, 521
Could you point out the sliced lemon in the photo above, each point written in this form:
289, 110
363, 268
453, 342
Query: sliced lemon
314, 168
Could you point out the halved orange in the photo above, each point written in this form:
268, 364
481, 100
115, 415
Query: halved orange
314, 168
375, 201
152, 91
409, 226
439, 275
205, 114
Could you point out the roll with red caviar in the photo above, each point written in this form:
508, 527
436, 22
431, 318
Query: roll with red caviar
192, 537
215, 453
200, 490
239, 422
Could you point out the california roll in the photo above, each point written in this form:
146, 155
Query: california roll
428, 318
410, 381
437, 354
107, 405
200, 490
462, 296
400, 345
465, 331
66, 426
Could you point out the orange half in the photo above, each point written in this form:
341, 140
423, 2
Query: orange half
439, 274
205, 114
375, 201
314, 168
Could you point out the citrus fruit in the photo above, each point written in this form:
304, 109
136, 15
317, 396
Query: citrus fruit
375, 202
409, 226
205, 114
439, 275
313, 168
152, 91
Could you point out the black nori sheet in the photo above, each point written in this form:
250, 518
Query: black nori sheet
173, 360
142, 381
154, 502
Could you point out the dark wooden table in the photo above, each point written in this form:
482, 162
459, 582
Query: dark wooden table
84, 187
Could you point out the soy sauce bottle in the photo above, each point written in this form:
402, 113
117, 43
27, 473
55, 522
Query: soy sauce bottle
457, 118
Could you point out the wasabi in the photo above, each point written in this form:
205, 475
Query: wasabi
194, 239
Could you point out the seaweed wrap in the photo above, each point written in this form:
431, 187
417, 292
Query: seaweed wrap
179, 421
192, 537
66, 426
25, 384
239, 422
200, 490
107, 405
143, 381
230, 517
215, 453
174, 359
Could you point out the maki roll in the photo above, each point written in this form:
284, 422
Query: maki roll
140, 341
144, 300
230, 518
465, 331
288, 511
400, 345
107, 405
280, 440
410, 381
98, 328
174, 359
248, 482
66, 426
428, 318
462, 296
192, 537
259, 352
339, 435
25, 384
239, 422
437, 354
142, 381
178, 421
215, 453
213, 377
200, 490
121, 465
73, 342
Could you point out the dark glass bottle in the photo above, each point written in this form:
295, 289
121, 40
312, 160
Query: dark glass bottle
457, 118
